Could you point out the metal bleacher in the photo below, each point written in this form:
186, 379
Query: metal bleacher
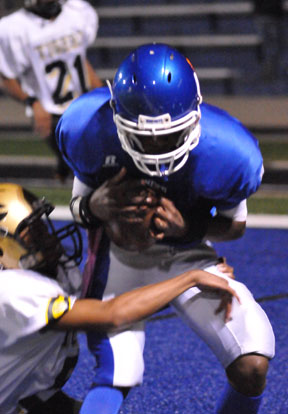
219, 37
198, 30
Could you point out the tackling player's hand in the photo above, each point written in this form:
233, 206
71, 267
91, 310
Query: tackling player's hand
223, 267
226, 306
209, 281
226, 302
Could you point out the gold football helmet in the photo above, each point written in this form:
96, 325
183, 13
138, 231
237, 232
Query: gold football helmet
28, 238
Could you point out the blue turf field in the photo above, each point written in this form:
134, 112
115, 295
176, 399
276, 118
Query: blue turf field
182, 375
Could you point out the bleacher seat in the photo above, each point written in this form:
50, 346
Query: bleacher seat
219, 36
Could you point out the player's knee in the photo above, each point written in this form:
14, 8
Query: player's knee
248, 373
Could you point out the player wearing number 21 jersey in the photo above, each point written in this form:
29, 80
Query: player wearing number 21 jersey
48, 55
43, 58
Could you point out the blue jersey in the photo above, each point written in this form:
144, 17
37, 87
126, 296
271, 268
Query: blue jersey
224, 169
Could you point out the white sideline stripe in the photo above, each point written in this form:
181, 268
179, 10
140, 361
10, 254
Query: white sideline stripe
268, 221
253, 220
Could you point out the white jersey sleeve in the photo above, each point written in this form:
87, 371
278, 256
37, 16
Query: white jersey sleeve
28, 303
80, 189
238, 213
49, 56
32, 357
14, 60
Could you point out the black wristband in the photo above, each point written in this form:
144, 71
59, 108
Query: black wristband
29, 101
87, 218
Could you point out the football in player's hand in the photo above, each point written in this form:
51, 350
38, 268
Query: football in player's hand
135, 233
134, 227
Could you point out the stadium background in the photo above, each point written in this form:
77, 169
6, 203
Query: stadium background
221, 39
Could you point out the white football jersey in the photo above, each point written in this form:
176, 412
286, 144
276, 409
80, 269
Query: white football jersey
32, 356
47, 56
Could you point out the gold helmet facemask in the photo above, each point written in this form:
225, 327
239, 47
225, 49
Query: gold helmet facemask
28, 238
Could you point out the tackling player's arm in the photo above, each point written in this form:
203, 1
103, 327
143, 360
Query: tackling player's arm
91, 314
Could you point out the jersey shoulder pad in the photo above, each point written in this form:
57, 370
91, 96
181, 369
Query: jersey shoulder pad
85, 133
83, 110
14, 24
228, 162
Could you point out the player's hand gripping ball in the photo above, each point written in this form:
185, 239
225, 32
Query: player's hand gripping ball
134, 229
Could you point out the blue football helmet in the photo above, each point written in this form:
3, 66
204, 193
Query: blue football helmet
155, 100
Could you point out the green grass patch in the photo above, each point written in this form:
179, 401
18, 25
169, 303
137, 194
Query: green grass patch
256, 204
267, 205
272, 151
56, 196
26, 143
34, 147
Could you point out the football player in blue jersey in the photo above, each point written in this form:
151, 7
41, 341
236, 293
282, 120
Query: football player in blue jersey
148, 142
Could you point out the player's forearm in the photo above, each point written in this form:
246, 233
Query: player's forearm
140, 303
222, 228
13, 88
91, 314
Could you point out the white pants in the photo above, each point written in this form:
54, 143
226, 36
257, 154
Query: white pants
120, 355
